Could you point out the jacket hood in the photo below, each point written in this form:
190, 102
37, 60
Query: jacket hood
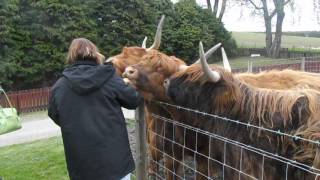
85, 77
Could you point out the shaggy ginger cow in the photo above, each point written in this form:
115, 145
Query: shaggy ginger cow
148, 81
134, 55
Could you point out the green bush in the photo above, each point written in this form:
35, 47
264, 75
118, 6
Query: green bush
35, 35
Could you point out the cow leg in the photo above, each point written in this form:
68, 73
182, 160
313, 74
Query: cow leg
174, 151
155, 144
201, 167
154, 161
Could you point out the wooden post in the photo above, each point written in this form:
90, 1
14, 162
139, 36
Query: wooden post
141, 147
250, 62
303, 61
18, 103
250, 66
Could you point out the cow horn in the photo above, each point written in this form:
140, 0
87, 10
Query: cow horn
213, 76
157, 37
209, 52
144, 43
225, 60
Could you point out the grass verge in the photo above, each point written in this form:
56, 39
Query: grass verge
43, 159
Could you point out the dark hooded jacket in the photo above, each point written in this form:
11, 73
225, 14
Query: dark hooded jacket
86, 103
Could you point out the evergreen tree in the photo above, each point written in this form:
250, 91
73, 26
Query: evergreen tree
35, 35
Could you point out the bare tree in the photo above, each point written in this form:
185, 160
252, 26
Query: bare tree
215, 8
273, 46
316, 8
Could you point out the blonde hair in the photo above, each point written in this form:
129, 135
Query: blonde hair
84, 49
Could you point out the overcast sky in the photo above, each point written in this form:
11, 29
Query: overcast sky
239, 19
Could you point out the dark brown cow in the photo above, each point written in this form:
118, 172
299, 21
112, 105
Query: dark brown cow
133, 55
216, 91
140, 74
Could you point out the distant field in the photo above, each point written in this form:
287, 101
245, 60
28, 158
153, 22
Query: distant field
242, 62
249, 39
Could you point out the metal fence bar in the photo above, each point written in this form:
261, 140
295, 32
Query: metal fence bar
303, 63
252, 149
141, 162
278, 132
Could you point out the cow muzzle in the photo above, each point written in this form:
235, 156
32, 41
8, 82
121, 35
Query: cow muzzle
130, 73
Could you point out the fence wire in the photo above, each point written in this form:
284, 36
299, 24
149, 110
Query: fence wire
185, 159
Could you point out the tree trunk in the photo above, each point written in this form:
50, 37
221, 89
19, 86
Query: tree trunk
223, 8
209, 5
268, 36
215, 7
276, 44
267, 23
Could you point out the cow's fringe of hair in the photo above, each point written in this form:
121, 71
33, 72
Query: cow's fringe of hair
166, 64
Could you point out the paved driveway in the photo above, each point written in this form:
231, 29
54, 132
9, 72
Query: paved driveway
38, 129
31, 131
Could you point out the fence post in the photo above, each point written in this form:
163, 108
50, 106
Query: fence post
250, 66
303, 62
141, 149
18, 103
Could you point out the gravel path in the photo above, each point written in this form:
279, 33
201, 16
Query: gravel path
37, 125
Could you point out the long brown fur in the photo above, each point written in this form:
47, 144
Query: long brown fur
274, 100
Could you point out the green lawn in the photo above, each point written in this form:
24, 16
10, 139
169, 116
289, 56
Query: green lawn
249, 39
242, 62
38, 160
43, 159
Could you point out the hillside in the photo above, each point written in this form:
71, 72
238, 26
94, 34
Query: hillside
250, 39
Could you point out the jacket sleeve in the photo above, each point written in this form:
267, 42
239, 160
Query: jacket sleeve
127, 96
53, 109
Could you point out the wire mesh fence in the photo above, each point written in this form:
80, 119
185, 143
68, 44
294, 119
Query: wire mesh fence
201, 151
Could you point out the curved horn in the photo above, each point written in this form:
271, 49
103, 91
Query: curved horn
213, 76
157, 37
209, 52
225, 60
144, 43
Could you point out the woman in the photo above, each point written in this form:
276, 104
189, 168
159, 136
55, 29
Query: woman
86, 103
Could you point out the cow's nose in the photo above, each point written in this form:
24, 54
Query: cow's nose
129, 71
